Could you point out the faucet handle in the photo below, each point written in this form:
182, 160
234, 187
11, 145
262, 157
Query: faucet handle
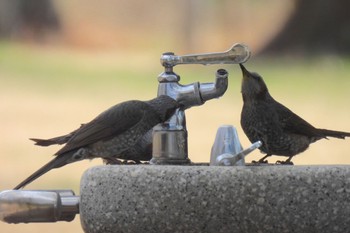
238, 53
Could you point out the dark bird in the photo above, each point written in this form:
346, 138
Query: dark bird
140, 151
281, 131
110, 135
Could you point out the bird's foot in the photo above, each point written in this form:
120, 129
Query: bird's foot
112, 161
287, 162
131, 162
261, 161
136, 162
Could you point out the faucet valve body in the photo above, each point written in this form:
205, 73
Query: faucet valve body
170, 146
170, 138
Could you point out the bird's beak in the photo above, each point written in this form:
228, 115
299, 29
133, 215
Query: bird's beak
244, 71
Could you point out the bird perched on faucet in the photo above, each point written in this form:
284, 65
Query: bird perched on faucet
111, 135
281, 131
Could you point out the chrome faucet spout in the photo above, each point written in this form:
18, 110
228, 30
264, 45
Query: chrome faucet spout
170, 138
214, 90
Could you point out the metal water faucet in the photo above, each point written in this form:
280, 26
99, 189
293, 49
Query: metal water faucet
170, 138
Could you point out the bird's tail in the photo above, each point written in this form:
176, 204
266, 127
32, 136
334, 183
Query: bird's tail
56, 162
52, 141
56, 140
333, 133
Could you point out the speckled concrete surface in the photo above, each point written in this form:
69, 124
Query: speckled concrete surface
260, 199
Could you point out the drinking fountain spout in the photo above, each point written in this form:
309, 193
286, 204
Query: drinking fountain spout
227, 149
170, 137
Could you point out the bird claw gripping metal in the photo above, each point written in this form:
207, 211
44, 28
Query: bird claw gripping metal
170, 138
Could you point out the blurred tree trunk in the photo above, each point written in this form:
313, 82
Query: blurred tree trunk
27, 18
316, 27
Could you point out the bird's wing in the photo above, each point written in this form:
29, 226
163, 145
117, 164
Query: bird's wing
292, 123
113, 121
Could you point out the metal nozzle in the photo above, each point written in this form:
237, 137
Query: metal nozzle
238, 53
24, 206
196, 94
233, 159
214, 90
227, 149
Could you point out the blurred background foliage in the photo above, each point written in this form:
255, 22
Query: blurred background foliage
63, 62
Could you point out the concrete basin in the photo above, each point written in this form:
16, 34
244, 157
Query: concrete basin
271, 198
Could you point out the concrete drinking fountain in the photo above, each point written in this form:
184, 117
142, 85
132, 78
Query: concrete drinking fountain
172, 194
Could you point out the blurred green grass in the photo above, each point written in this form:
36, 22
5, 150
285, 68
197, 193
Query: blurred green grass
41, 68
49, 68
49, 91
